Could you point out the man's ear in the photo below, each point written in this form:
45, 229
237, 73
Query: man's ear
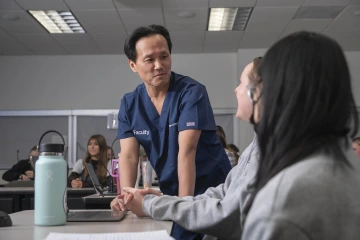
132, 65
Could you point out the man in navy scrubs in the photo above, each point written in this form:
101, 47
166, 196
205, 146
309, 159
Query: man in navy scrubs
171, 117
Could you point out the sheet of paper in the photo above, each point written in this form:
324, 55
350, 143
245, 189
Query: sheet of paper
158, 235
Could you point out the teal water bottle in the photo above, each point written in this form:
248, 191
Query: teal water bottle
50, 184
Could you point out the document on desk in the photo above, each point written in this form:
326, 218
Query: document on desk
158, 235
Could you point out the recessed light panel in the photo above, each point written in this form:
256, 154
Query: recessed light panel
58, 21
228, 19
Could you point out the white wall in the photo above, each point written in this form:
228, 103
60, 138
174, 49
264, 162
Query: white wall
100, 81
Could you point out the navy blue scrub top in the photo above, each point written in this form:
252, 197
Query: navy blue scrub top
186, 106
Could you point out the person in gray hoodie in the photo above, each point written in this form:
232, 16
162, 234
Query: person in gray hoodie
304, 112
216, 213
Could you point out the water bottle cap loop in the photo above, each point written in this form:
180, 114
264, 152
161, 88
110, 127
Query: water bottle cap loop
51, 147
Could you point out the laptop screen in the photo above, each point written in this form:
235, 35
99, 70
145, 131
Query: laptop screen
94, 178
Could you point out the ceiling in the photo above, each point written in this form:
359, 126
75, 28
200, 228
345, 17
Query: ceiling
108, 22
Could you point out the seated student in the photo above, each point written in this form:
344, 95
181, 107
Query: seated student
96, 155
23, 169
218, 211
356, 146
304, 113
232, 155
233, 147
110, 153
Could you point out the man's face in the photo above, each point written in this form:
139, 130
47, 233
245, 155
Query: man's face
153, 61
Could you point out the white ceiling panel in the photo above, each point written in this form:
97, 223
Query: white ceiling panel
41, 44
183, 42
316, 25
24, 29
25, 18
355, 3
326, 2
103, 28
226, 41
279, 3
9, 5
11, 46
140, 17
77, 43
90, 4
110, 43
185, 3
266, 26
258, 39
349, 41
131, 4
346, 21
42, 4
177, 24
270, 14
231, 3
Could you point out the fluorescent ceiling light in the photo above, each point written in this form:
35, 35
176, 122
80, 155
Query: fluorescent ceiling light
58, 21
228, 19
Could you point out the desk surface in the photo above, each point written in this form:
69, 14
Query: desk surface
32, 189
24, 228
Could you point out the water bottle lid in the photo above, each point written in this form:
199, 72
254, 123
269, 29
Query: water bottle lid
51, 147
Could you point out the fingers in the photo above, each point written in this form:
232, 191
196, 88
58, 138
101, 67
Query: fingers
150, 191
129, 190
114, 205
129, 198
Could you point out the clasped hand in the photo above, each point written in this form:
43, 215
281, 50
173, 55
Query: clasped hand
76, 183
132, 199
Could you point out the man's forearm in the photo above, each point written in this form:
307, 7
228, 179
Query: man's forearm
186, 174
128, 171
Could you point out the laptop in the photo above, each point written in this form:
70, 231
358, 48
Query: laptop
98, 187
95, 216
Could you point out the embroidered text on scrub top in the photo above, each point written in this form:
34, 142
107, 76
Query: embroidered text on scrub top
143, 132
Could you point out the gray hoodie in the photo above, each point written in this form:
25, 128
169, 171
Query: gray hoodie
217, 212
315, 199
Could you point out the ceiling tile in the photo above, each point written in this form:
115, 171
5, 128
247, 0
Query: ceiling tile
11, 46
349, 41
231, 3
24, 29
266, 26
131, 4
110, 43
273, 13
258, 39
316, 25
185, 3
42, 4
41, 44
90, 4
177, 24
77, 43
279, 3
346, 21
224, 41
133, 18
183, 43
326, 2
355, 3
9, 5
25, 18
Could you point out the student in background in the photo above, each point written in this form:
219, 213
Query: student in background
356, 146
217, 212
232, 155
110, 153
233, 147
305, 187
96, 154
22, 170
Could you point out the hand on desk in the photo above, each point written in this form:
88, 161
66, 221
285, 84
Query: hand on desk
29, 174
24, 177
135, 197
76, 183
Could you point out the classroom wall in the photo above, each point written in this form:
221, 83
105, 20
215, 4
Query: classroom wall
100, 81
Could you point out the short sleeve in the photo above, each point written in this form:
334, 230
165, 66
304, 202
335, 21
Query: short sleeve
195, 110
78, 167
124, 128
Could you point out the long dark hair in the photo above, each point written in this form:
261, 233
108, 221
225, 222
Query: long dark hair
306, 104
101, 171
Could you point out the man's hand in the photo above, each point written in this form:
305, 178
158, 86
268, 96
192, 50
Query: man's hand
76, 183
29, 173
